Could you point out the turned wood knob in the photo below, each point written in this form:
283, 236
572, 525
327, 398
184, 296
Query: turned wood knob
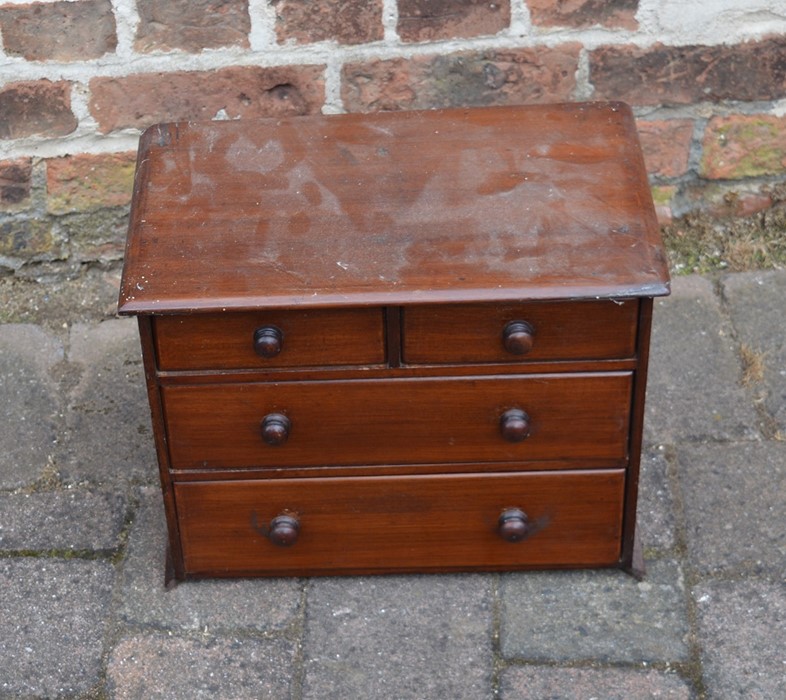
275, 428
518, 337
268, 341
514, 425
512, 525
284, 530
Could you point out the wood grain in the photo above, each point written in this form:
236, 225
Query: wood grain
494, 204
471, 333
311, 338
388, 421
390, 524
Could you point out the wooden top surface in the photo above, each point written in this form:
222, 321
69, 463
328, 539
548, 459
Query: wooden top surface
495, 204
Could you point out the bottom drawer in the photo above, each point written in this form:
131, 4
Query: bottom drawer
400, 523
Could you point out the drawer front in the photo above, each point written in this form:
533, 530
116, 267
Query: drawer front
286, 339
385, 524
570, 416
583, 330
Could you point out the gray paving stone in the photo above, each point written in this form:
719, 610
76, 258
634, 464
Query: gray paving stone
52, 625
109, 436
399, 637
656, 518
742, 635
757, 304
549, 683
599, 615
63, 520
171, 667
735, 511
29, 403
242, 605
693, 385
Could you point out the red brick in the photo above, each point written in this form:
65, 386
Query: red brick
64, 31
343, 21
584, 13
749, 203
430, 20
191, 25
726, 199
666, 146
36, 108
688, 74
471, 78
741, 146
137, 101
15, 182
86, 182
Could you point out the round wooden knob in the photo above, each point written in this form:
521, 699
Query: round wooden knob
268, 341
275, 428
512, 525
514, 425
518, 337
284, 530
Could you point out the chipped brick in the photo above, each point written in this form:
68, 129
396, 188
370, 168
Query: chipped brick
140, 100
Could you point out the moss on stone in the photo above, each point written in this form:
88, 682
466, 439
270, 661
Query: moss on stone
663, 194
27, 238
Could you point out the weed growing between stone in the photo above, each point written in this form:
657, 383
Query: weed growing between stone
702, 244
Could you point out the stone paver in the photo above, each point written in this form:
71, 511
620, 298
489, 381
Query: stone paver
693, 385
61, 520
734, 506
243, 605
53, 622
399, 637
735, 510
595, 615
108, 407
170, 667
757, 304
29, 403
742, 634
548, 683
656, 503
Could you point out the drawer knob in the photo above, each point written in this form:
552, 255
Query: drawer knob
268, 341
518, 337
284, 530
513, 525
275, 428
514, 425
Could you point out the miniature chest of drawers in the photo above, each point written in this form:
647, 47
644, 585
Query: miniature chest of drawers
408, 341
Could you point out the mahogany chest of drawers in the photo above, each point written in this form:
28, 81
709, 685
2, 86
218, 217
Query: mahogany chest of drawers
407, 341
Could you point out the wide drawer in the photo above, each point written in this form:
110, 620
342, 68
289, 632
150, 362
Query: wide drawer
468, 333
425, 420
385, 524
329, 337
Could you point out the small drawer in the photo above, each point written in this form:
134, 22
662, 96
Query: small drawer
384, 524
270, 339
533, 331
399, 421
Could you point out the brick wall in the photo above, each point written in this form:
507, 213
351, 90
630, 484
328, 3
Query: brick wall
80, 79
